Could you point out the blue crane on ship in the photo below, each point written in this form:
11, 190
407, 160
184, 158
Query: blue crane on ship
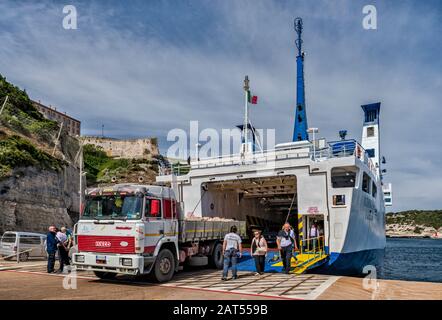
300, 130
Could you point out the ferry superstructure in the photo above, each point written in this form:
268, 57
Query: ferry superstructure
336, 185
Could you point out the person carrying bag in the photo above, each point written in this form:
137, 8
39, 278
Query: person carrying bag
258, 250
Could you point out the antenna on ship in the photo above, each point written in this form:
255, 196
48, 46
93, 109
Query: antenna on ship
300, 128
246, 116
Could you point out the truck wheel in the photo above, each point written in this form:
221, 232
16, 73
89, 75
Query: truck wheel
164, 267
217, 259
105, 275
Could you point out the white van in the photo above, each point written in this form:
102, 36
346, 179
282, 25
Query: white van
28, 243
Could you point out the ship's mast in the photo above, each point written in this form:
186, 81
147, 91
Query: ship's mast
246, 148
300, 127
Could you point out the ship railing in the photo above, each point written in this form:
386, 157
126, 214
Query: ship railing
177, 169
314, 247
351, 148
336, 149
261, 157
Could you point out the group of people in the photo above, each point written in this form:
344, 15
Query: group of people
232, 248
58, 240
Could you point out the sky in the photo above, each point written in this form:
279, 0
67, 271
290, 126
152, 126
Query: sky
143, 68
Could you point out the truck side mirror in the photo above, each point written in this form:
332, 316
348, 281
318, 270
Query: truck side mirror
154, 207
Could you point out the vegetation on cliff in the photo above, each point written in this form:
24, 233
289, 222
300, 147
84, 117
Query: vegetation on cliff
20, 115
18, 152
100, 168
26, 137
428, 218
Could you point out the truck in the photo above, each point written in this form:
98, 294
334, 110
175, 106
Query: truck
136, 229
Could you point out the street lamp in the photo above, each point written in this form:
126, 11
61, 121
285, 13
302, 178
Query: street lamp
79, 158
313, 131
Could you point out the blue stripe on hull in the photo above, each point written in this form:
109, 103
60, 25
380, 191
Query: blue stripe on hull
351, 263
338, 263
247, 263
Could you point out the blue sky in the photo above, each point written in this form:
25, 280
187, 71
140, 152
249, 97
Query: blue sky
142, 68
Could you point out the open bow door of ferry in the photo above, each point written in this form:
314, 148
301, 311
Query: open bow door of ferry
311, 243
312, 223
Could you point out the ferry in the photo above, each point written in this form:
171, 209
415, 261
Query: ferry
336, 185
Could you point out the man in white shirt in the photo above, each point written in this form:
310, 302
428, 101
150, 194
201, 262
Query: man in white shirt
232, 248
62, 252
314, 234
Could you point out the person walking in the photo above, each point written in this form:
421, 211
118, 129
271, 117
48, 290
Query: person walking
70, 240
232, 249
51, 248
314, 234
62, 249
69, 236
286, 242
258, 250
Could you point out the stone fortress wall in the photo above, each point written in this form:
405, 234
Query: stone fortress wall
125, 148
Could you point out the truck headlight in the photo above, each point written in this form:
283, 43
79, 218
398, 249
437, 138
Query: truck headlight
79, 258
127, 262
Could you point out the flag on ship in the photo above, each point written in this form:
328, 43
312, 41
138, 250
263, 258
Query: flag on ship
252, 99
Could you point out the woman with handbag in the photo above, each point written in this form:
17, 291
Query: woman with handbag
258, 250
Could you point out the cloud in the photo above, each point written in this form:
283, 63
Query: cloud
154, 66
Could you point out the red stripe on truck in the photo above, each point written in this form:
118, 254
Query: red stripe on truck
106, 244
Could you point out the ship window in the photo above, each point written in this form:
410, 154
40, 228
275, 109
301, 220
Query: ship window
370, 132
343, 177
366, 183
370, 153
374, 190
339, 200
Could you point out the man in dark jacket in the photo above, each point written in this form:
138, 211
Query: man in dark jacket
285, 241
51, 248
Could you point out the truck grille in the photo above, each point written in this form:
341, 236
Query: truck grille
106, 244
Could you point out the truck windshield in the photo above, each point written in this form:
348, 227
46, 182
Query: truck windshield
113, 208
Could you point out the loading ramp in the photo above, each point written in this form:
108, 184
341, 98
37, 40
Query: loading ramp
311, 255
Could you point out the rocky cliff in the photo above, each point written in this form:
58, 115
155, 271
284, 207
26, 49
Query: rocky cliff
32, 198
39, 178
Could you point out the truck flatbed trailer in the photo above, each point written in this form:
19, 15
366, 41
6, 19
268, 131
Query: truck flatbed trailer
191, 230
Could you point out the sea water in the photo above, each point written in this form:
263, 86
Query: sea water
413, 260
